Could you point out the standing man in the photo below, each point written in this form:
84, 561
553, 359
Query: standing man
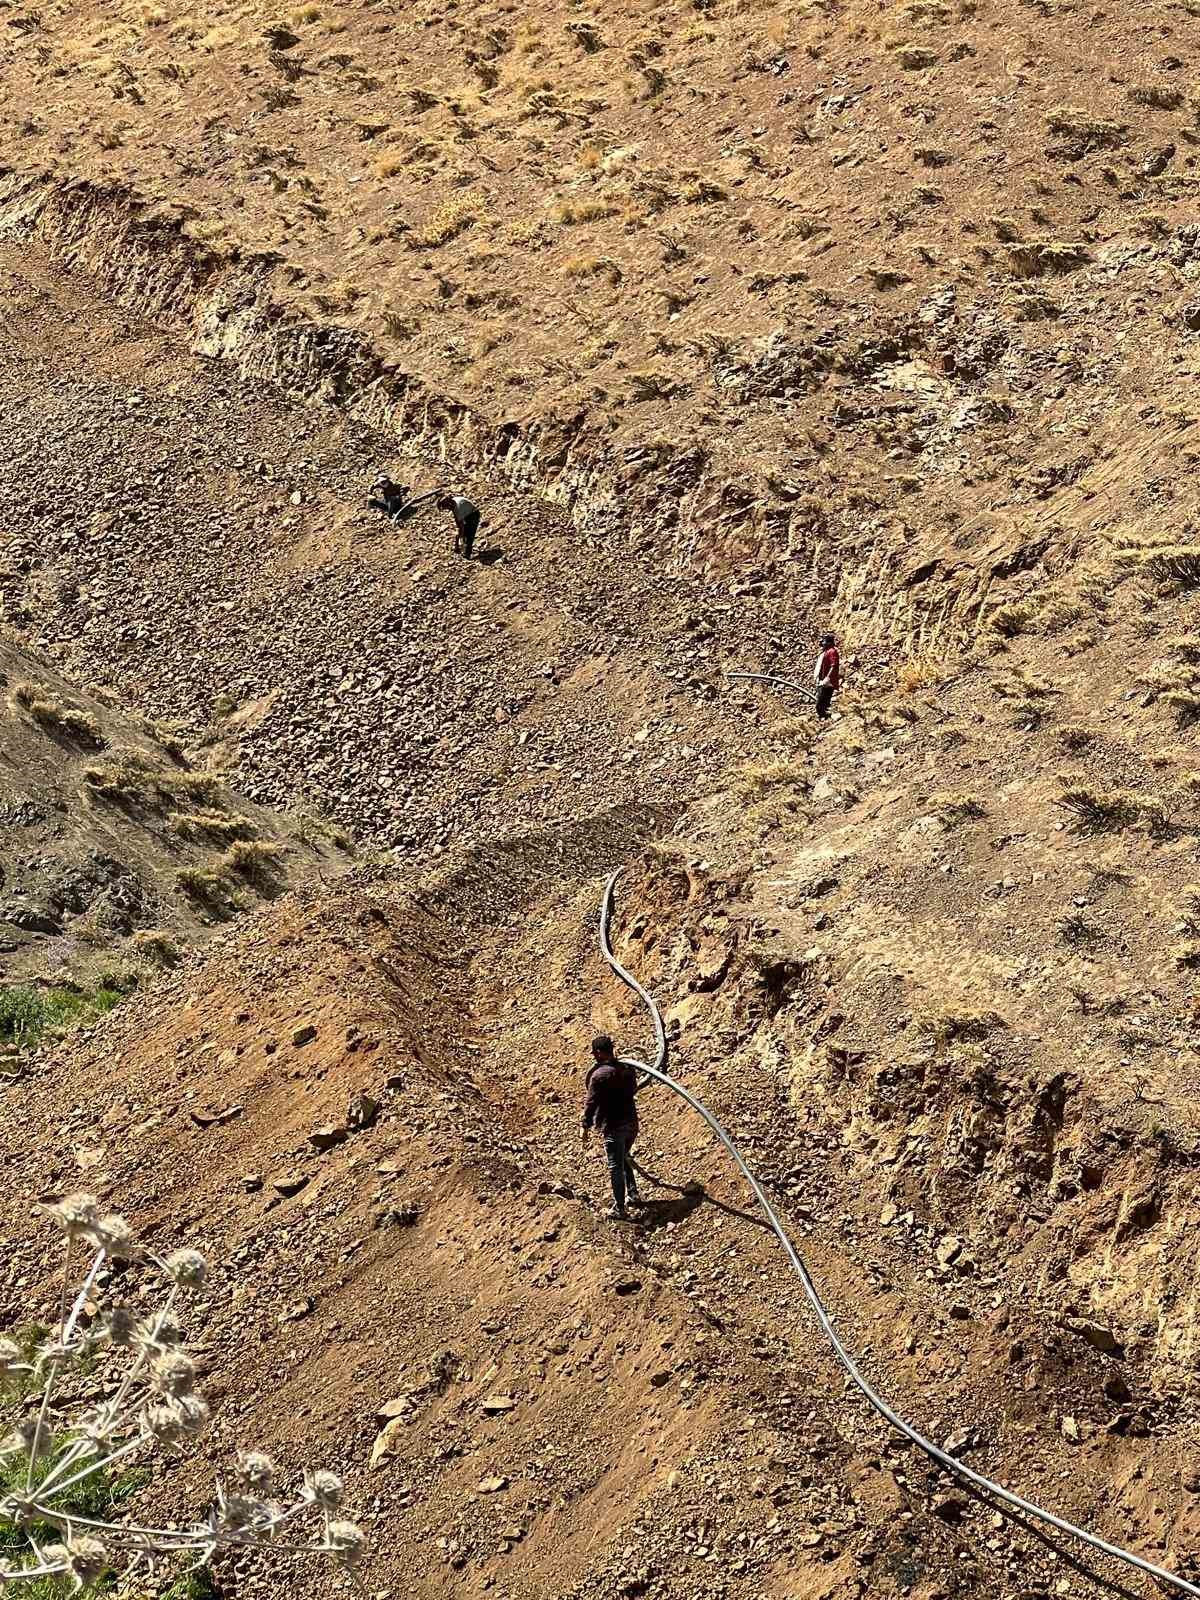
827, 675
466, 521
611, 1107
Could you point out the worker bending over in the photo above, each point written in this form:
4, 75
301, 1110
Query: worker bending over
466, 521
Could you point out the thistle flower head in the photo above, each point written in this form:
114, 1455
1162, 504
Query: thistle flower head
98, 1427
76, 1214
161, 1332
115, 1237
12, 1357
32, 1438
119, 1324
87, 1560
347, 1541
172, 1373
164, 1420
323, 1489
188, 1268
240, 1516
256, 1470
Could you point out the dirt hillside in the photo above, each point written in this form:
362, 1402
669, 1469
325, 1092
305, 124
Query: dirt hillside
739, 322
119, 853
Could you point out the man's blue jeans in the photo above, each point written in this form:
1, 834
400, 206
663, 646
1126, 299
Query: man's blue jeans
617, 1147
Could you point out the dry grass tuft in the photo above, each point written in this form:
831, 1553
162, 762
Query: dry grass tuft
151, 944
1099, 810
914, 675
79, 726
453, 217
758, 779
255, 860
213, 827
952, 810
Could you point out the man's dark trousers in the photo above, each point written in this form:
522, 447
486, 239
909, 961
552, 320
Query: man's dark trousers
617, 1147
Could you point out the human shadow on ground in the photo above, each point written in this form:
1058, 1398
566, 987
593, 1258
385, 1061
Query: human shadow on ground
658, 1212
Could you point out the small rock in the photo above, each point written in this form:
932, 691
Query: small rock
957, 1442
391, 1409
1070, 1430
627, 1286
363, 1112
295, 1313
289, 1183
949, 1250
328, 1137
1098, 1334
492, 1485
397, 1216
215, 1119
387, 1443
304, 1035
252, 1182
495, 1404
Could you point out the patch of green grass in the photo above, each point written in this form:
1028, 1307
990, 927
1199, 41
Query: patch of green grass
28, 1014
100, 1496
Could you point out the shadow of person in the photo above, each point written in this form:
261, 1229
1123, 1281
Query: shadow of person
489, 556
691, 1195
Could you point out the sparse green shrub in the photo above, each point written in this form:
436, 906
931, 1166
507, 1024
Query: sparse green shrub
28, 1014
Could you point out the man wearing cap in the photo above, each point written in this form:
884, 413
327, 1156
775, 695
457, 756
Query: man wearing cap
387, 496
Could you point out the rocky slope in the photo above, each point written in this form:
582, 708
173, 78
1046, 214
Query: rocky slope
118, 853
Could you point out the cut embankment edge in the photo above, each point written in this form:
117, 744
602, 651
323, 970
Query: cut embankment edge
230, 308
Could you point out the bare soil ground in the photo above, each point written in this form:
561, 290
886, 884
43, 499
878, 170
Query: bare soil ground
739, 322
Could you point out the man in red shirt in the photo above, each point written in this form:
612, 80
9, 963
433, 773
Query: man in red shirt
611, 1107
828, 674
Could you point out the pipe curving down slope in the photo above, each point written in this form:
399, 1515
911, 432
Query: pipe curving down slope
767, 677
934, 1452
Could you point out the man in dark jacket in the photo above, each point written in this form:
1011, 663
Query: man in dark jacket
388, 497
612, 1108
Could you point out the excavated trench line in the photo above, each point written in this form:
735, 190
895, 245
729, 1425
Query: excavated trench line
934, 1452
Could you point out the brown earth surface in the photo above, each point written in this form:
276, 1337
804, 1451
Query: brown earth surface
738, 322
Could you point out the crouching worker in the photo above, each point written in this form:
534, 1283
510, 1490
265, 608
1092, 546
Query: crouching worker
388, 497
612, 1109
